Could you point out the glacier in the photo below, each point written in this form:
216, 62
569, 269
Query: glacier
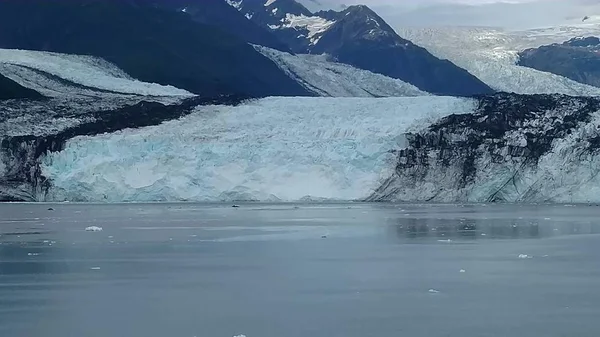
273, 149
57, 75
331, 79
491, 55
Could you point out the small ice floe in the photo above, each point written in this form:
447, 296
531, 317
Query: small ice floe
93, 229
447, 240
433, 291
95, 268
110, 236
33, 254
547, 218
239, 336
483, 234
463, 271
525, 256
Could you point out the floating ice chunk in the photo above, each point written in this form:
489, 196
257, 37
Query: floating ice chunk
525, 256
93, 229
463, 271
448, 240
95, 268
433, 291
33, 254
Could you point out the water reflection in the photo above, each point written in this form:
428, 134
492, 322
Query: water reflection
483, 228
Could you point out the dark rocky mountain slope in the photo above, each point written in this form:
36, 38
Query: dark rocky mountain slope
514, 148
577, 59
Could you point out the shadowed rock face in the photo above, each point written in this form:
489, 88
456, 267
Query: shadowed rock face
577, 59
361, 38
150, 43
9, 89
502, 152
21, 178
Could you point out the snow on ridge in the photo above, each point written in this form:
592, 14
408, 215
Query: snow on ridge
299, 148
88, 71
315, 25
327, 78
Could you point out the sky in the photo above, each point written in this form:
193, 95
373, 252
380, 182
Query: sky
506, 14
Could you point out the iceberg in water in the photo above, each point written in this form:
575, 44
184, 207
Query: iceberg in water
284, 149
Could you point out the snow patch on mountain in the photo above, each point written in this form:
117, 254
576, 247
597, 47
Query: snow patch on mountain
237, 4
315, 25
299, 148
334, 79
26, 67
491, 55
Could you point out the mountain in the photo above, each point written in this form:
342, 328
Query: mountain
577, 59
149, 43
359, 37
220, 14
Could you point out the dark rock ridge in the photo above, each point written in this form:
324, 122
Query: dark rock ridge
21, 153
220, 14
148, 42
10, 89
359, 37
577, 59
512, 148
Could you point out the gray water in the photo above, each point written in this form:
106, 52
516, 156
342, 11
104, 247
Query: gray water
347, 270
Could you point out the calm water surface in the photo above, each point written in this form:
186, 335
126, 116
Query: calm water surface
347, 270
